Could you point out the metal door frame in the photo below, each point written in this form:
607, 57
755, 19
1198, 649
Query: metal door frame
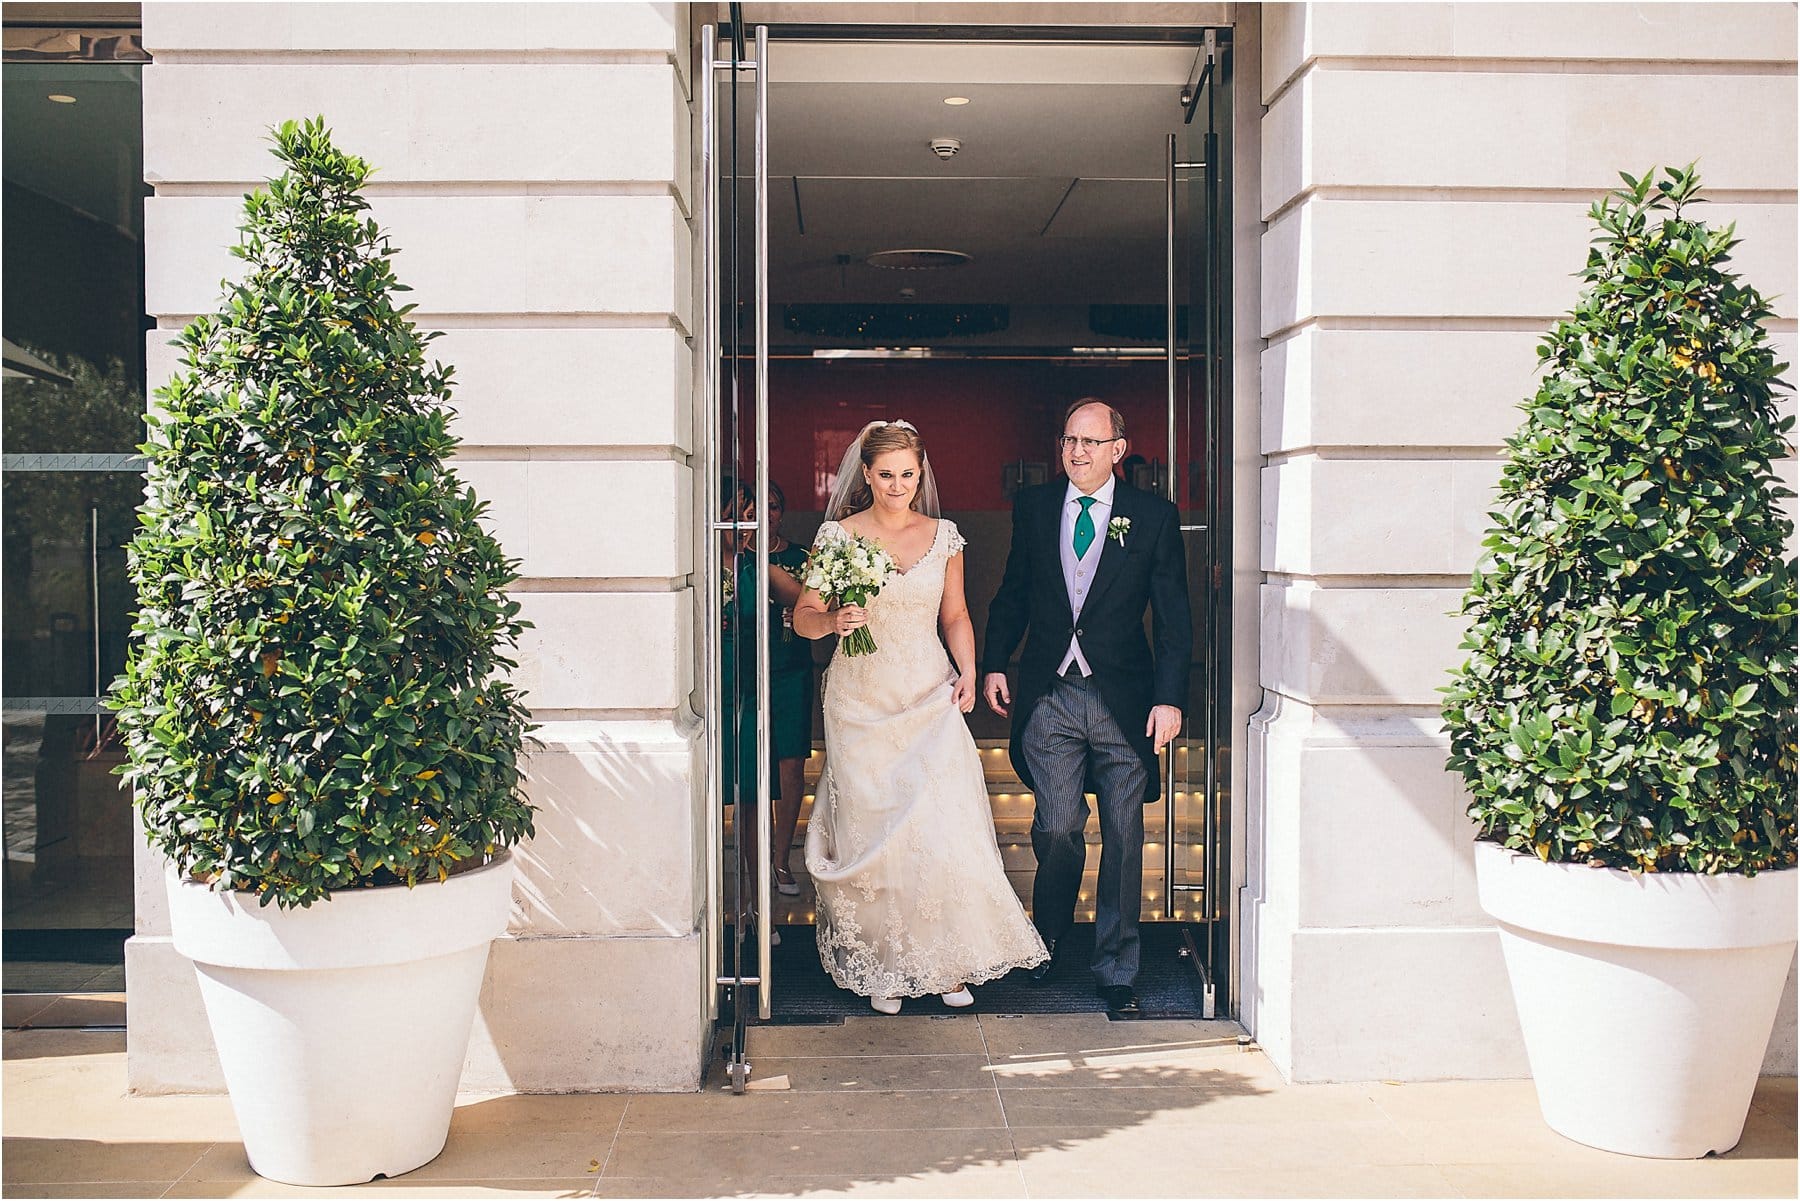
1208, 721
739, 983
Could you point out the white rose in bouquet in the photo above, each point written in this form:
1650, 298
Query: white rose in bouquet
849, 571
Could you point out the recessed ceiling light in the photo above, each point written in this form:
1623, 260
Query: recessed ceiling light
61, 98
876, 352
956, 100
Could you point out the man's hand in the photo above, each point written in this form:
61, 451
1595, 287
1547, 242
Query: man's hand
993, 687
1164, 724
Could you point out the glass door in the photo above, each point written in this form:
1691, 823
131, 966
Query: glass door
73, 393
1197, 765
735, 566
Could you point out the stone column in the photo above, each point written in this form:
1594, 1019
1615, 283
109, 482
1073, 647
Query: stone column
1426, 172
534, 170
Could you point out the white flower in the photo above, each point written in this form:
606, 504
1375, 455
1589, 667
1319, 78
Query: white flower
849, 569
853, 564
1117, 528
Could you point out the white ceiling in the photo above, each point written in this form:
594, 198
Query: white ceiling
1057, 191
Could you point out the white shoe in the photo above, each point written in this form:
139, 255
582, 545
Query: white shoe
887, 1005
960, 999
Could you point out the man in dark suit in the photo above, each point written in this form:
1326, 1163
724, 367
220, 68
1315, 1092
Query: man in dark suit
1095, 701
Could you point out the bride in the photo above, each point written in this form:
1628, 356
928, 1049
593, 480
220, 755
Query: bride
913, 897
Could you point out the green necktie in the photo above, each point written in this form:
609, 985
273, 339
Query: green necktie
1084, 526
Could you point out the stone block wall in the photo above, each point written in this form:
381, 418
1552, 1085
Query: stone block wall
1409, 206
1426, 171
534, 167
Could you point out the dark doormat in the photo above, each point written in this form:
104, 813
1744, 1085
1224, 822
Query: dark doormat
52, 944
1167, 984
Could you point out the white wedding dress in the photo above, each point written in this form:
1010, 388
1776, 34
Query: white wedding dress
913, 897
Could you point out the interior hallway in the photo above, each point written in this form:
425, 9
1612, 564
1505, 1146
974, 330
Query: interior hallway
986, 1105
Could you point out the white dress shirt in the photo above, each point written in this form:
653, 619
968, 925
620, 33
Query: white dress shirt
1078, 574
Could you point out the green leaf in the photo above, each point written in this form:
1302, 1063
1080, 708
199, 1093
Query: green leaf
1637, 589
287, 679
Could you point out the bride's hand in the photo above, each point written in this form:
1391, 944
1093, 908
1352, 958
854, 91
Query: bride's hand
964, 695
845, 618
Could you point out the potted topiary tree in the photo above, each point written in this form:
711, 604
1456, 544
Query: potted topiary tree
1625, 719
320, 733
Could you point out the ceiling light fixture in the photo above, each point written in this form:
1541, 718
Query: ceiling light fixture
956, 100
876, 352
61, 98
917, 260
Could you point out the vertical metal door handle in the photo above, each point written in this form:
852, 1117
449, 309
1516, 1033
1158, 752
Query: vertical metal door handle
94, 564
1170, 330
764, 831
708, 567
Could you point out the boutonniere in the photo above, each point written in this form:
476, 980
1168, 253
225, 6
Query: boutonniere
1117, 528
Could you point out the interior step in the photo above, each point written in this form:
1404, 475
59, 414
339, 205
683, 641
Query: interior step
996, 763
803, 909
1021, 869
1012, 805
1012, 824
1012, 813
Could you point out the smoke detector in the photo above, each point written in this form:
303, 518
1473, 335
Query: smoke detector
945, 148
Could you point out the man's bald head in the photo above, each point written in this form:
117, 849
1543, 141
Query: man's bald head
1114, 418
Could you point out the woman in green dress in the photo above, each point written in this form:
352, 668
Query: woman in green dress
790, 699
790, 692
737, 756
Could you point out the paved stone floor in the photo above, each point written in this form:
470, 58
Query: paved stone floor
961, 1106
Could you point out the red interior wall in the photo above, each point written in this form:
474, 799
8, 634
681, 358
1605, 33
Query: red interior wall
974, 416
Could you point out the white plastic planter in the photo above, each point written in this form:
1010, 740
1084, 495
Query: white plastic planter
342, 1027
1646, 1000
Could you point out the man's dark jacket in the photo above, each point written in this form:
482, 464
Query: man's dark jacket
1148, 570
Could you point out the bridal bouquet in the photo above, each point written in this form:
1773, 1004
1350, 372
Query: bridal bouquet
849, 571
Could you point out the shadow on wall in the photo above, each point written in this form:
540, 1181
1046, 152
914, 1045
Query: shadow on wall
1349, 804
598, 985
602, 860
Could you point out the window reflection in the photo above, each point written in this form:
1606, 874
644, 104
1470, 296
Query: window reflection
64, 547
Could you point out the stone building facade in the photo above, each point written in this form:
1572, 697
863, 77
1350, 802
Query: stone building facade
1411, 188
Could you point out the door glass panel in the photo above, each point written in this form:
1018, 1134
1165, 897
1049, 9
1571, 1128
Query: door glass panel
73, 394
1203, 413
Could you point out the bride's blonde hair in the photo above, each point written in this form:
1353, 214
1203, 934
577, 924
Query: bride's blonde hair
879, 440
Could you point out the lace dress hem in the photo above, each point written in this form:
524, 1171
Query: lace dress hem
931, 986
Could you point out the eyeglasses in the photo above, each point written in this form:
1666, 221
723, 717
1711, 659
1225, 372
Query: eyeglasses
1070, 442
